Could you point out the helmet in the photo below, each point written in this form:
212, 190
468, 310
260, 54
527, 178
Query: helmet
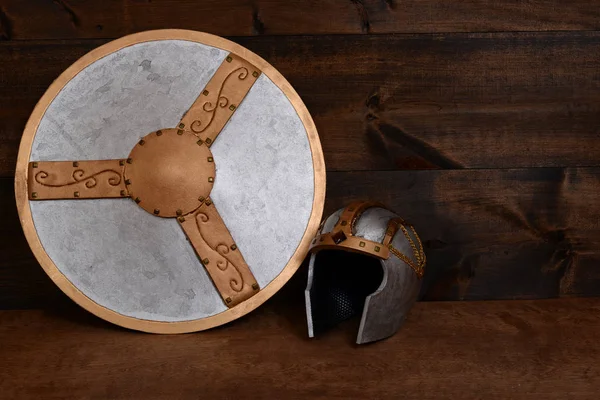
364, 257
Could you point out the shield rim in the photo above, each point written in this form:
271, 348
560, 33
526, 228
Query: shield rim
143, 324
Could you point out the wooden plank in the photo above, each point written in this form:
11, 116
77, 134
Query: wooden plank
59, 19
481, 350
488, 234
397, 102
23, 283
493, 234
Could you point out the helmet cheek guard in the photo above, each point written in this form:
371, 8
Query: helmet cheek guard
365, 260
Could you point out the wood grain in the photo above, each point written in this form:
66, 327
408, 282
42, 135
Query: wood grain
23, 283
545, 349
397, 102
62, 19
488, 234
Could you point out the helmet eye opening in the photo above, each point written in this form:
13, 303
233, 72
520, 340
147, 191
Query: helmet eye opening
341, 283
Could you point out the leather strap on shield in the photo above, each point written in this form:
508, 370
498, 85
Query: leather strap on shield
76, 179
219, 254
220, 98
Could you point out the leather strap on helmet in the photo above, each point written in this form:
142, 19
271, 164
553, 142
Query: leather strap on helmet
342, 236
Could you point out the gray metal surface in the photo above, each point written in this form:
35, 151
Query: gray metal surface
384, 311
140, 265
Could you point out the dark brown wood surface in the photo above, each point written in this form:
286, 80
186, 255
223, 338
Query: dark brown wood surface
545, 349
68, 19
385, 102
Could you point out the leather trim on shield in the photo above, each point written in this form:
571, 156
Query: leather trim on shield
219, 254
49, 180
220, 98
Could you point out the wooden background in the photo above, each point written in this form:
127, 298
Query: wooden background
478, 120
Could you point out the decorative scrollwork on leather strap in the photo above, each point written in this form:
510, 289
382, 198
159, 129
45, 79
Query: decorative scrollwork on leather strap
222, 102
76, 179
219, 254
113, 178
236, 282
221, 96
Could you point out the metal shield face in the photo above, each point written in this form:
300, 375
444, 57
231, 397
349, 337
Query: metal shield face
170, 181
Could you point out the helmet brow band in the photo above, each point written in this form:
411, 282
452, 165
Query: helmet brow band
342, 236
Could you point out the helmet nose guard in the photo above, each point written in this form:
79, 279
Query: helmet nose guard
365, 260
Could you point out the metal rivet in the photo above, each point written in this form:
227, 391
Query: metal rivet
199, 142
205, 261
158, 133
35, 165
181, 126
228, 300
233, 247
75, 164
181, 219
377, 248
232, 107
229, 59
205, 93
34, 195
201, 199
156, 211
208, 202
210, 159
178, 212
208, 140
123, 193
362, 244
180, 132
129, 161
127, 182
255, 286
121, 162
255, 74
344, 223
76, 194
137, 200
142, 142
211, 179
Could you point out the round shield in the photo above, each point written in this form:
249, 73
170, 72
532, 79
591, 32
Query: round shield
170, 181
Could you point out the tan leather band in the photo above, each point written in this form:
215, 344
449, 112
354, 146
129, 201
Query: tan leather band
97, 179
342, 234
220, 98
351, 213
219, 254
354, 244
